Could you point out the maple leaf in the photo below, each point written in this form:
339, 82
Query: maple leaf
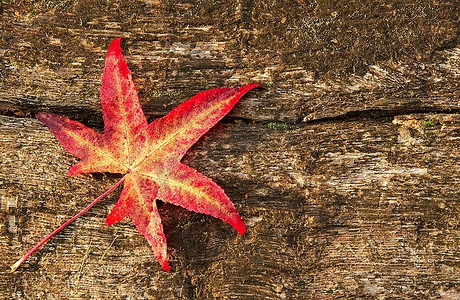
149, 154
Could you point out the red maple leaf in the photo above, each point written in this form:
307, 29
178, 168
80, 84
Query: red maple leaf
149, 154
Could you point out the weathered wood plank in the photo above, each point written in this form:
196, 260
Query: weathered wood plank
352, 208
316, 60
338, 208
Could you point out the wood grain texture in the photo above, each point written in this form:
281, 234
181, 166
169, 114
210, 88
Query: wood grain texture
353, 208
315, 61
344, 168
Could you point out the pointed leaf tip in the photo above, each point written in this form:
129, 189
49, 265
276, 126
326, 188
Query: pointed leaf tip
254, 85
115, 46
165, 267
239, 226
246, 88
42, 117
237, 223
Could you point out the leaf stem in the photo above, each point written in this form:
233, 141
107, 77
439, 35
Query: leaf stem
22, 259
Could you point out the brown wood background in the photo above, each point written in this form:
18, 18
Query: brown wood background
345, 168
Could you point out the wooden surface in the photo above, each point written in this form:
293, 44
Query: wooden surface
344, 168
